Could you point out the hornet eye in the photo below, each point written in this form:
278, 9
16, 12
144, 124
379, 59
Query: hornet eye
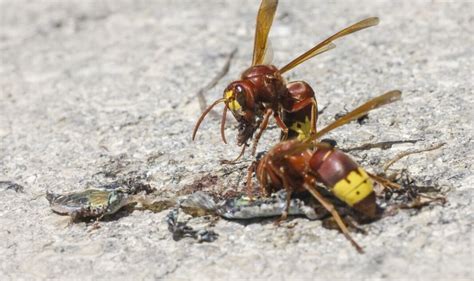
240, 95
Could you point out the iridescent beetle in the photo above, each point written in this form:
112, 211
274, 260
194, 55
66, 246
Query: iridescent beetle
262, 91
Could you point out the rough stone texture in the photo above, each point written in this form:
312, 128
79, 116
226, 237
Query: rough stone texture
92, 91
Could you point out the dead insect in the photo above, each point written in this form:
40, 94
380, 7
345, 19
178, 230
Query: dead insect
244, 207
237, 208
90, 203
298, 166
262, 91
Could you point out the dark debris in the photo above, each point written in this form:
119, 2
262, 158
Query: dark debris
8, 185
181, 230
210, 185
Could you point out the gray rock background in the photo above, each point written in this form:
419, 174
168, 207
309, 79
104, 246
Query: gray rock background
92, 91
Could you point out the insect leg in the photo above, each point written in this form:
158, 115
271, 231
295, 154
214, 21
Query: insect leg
404, 154
386, 183
249, 185
330, 207
262, 128
282, 126
280, 172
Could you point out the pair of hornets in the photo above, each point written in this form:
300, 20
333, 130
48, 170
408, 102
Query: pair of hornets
299, 161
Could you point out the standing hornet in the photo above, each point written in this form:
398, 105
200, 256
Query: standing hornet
262, 91
298, 166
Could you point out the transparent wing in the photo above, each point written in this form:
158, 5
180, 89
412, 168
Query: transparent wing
360, 111
264, 23
325, 45
268, 57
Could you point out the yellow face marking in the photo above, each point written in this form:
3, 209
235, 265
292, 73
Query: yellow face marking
355, 187
302, 129
232, 103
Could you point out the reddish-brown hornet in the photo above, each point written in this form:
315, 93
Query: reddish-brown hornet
298, 166
262, 91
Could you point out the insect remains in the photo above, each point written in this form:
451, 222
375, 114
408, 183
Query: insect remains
89, 203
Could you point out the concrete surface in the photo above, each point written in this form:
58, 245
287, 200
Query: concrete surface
95, 91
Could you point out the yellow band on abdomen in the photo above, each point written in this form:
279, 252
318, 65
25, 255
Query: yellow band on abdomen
355, 187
